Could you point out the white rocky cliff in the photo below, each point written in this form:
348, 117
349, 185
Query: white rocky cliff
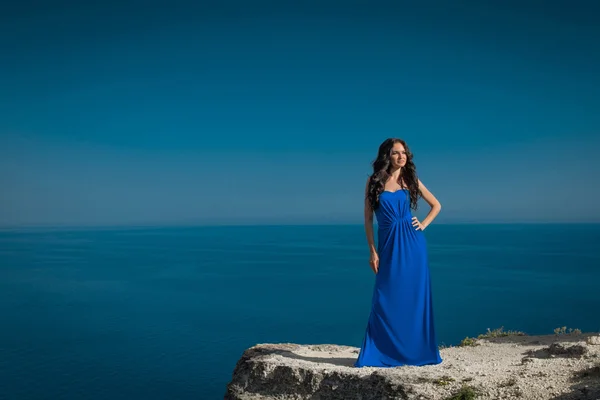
560, 367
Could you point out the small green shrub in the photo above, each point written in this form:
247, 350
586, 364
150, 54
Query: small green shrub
500, 332
468, 342
564, 331
466, 392
444, 380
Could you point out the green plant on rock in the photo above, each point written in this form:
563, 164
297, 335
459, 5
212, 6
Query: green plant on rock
564, 331
500, 332
468, 341
444, 380
466, 392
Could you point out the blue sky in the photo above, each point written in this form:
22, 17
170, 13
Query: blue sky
135, 113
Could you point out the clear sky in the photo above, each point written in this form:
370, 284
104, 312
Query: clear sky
145, 112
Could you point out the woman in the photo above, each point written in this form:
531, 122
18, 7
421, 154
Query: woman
400, 330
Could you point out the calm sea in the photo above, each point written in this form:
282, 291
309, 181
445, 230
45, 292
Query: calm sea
165, 313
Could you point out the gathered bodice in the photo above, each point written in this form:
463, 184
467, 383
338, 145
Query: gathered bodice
393, 207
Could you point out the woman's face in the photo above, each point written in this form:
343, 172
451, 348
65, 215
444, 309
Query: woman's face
398, 156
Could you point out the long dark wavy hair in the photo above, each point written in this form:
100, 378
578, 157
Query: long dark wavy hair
381, 173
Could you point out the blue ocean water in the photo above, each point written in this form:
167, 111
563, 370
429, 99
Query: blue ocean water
165, 313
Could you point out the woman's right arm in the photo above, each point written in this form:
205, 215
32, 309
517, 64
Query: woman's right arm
368, 211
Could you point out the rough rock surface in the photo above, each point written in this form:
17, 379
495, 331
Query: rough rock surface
558, 367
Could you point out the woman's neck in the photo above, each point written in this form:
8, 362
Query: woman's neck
395, 174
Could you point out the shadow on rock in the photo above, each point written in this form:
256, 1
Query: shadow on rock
527, 340
342, 362
558, 350
586, 385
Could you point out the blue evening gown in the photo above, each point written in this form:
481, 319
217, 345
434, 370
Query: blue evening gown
400, 330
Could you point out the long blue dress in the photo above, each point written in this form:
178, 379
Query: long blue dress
400, 330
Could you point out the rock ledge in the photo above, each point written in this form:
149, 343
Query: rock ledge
558, 367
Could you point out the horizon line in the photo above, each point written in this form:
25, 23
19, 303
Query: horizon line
250, 225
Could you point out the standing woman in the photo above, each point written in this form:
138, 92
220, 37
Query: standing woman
400, 329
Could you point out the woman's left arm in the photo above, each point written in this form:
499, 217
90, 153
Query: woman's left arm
435, 205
